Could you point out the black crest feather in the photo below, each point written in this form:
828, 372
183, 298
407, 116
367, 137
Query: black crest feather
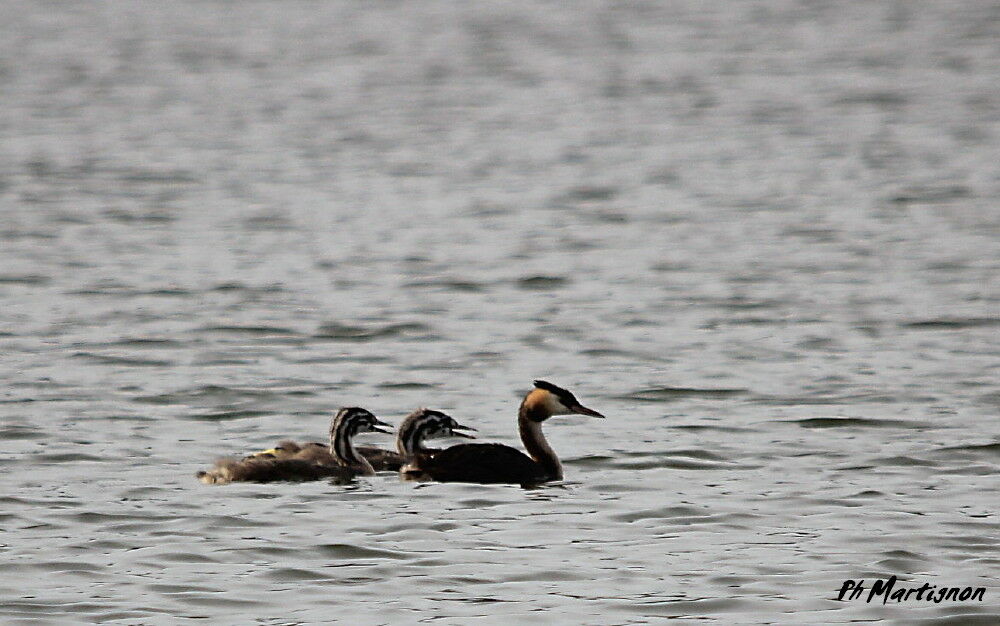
564, 395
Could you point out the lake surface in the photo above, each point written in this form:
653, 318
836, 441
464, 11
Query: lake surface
762, 238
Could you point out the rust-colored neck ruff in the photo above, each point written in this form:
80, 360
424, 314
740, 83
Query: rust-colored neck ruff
529, 423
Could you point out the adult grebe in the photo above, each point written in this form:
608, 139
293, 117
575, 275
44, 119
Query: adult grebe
341, 460
497, 463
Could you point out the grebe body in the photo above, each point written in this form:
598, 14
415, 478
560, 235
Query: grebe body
339, 460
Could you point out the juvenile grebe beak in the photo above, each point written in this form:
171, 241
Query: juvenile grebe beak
378, 422
458, 427
582, 410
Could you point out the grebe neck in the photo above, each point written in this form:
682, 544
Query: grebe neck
342, 449
410, 441
529, 424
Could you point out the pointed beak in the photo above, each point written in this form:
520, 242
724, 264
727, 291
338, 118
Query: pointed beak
455, 429
582, 410
387, 430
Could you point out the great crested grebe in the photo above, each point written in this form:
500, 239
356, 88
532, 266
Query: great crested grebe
497, 463
340, 460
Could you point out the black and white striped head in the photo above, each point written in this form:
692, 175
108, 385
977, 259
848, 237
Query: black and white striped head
427, 424
351, 421
546, 400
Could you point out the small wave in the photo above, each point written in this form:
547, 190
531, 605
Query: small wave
208, 394
541, 283
545, 576
606, 352
665, 394
142, 342
972, 450
238, 286
60, 567
105, 359
821, 399
653, 460
149, 175
346, 332
680, 464
67, 457
221, 416
904, 461
465, 286
348, 551
20, 432
681, 515
186, 557
124, 291
693, 453
930, 194
268, 222
250, 330
23, 279
346, 358
951, 323
139, 217
219, 601
294, 574
406, 385
685, 608
855, 422
711, 428
962, 617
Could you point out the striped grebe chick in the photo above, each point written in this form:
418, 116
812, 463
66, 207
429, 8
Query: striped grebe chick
340, 460
418, 426
497, 463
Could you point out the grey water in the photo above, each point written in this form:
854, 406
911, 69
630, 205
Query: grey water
763, 238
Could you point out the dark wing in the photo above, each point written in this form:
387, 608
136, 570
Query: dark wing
284, 449
483, 463
315, 453
382, 460
266, 470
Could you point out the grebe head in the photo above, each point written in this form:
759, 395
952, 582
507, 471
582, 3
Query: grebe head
427, 424
438, 424
553, 400
354, 420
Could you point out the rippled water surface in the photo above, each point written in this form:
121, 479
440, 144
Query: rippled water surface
762, 238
